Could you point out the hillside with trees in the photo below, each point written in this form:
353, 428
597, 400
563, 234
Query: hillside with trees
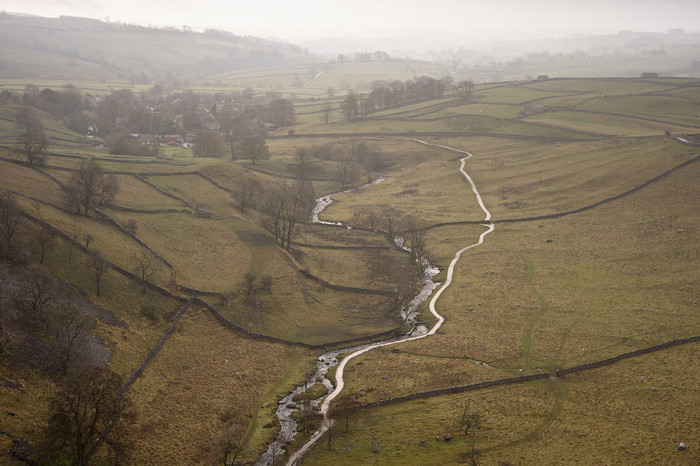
72, 48
174, 262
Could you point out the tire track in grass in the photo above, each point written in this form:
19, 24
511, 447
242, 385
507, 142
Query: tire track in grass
559, 391
554, 384
526, 338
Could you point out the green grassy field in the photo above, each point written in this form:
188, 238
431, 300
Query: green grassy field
608, 125
538, 423
536, 296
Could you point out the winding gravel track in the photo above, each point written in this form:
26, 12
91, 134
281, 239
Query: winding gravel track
340, 382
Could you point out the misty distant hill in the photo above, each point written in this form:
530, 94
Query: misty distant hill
80, 48
624, 54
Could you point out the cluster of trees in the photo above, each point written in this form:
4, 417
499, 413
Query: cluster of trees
88, 411
66, 104
121, 144
386, 94
157, 111
90, 187
44, 325
40, 315
286, 207
402, 228
45, 308
242, 130
280, 112
11, 227
351, 160
212, 144
16, 233
250, 148
31, 139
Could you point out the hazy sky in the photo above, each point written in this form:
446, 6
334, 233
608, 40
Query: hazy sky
299, 19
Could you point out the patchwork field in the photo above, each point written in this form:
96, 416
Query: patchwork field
595, 204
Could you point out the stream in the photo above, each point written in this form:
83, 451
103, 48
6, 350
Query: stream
286, 406
409, 314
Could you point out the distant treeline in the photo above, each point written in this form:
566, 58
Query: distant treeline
385, 94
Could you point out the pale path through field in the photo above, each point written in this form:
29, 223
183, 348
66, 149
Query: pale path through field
340, 383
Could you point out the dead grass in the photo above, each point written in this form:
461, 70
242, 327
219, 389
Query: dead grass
426, 184
29, 182
300, 310
527, 179
106, 239
202, 374
635, 411
407, 433
375, 269
329, 236
198, 191
616, 278
136, 194
180, 239
613, 125
407, 368
604, 282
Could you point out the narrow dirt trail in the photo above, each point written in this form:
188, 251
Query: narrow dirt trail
339, 375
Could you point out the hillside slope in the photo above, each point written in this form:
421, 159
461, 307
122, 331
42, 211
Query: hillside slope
70, 48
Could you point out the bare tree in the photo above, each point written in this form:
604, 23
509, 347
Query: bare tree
306, 415
31, 140
247, 193
147, 267
372, 218
302, 154
472, 455
326, 113
40, 291
367, 106
90, 187
253, 149
298, 209
250, 278
232, 447
468, 420
131, 226
465, 89
369, 157
10, 223
209, 144
46, 238
347, 170
87, 412
366, 216
391, 220
415, 238
70, 327
350, 105
88, 238
281, 112
266, 281
286, 208
100, 266
274, 205
276, 450
345, 407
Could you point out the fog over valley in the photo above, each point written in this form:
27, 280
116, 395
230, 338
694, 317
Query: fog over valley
412, 28
342, 232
